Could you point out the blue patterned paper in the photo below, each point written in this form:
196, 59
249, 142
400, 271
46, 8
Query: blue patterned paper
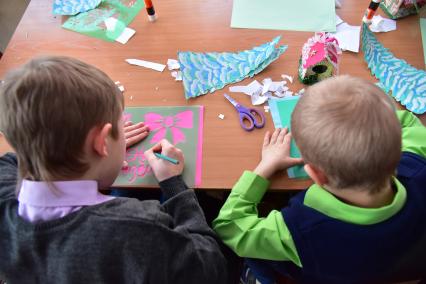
408, 84
72, 7
208, 72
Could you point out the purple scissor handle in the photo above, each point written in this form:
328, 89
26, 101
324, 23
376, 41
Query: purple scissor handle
251, 115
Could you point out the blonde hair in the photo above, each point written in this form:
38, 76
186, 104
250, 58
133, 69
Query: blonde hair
347, 127
47, 108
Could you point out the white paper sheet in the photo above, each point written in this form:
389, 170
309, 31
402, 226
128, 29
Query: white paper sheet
380, 24
348, 37
147, 64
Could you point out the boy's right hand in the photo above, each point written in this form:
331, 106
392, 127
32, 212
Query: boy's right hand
276, 153
164, 169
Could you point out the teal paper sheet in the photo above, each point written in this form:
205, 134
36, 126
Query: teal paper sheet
281, 110
406, 83
207, 72
423, 30
307, 15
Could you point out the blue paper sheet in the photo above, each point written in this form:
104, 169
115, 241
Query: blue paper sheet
73, 7
208, 72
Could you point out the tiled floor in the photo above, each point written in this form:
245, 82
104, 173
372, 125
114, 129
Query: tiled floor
10, 15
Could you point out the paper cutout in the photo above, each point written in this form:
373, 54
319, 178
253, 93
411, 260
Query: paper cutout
208, 72
182, 126
72, 7
92, 23
307, 15
380, 24
172, 64
281, 110
127, 33
408, 84
147, 64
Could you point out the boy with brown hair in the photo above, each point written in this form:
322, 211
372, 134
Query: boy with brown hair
64, 120
360, 222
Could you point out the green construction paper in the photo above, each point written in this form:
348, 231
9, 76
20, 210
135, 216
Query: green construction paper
281, 110
307, 15
138, 172
91, 23
423, 30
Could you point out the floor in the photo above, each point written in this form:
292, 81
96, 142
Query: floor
10, 15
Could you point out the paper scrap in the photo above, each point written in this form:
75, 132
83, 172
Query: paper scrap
173, 64
348, 36
120, 87
288, 77
338, 20
147, 64
177, 75
124, 37
221, 116
380, 24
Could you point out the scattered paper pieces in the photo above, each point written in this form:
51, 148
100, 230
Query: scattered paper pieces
380, 24
124, 37
347, 36
221, 116
173, 64
260, 93
177, 75
120, 87
147, 64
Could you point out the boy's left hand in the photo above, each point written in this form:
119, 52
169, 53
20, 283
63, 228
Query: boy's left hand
133, 133
276, 153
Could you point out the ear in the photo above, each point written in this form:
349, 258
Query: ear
316, 174
100, 137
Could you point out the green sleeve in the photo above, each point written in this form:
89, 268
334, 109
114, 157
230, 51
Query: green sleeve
239, 226
413, 133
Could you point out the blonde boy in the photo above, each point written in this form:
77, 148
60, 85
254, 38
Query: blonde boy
64, 120
364, 219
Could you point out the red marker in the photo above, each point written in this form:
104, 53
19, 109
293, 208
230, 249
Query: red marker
371, 10
150, 9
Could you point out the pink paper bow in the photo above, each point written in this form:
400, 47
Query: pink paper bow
159, 125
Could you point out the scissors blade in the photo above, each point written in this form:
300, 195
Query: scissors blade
231, 100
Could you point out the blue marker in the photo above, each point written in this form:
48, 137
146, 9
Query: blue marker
171, 160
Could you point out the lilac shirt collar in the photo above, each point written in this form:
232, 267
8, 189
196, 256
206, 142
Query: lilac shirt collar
38, 201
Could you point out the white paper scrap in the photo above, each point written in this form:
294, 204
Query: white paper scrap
257, 98
124, 37
251, 88
221, 116
348, 37
380, 24
267, 82
173, 64
147, 64
287, 77
338, 20
177, 75
121, 88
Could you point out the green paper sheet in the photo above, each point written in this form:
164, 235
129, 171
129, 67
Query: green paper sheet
281, 110
91, 23
307, 15
181, 125
423, 30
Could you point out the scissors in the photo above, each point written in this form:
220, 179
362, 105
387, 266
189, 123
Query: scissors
251, 115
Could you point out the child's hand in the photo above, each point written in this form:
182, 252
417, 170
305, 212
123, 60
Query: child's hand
276, 153
134, 132
164, 169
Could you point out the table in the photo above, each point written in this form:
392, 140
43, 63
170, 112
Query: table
201, 26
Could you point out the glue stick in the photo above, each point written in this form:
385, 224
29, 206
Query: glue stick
371, 10
150, 9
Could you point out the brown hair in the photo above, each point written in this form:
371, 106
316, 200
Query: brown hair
47, 108
348, 128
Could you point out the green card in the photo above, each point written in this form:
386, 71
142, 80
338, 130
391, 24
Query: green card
92, 22
281, 110
307, 15
181, 125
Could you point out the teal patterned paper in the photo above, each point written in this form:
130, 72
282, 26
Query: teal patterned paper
72, 7
208, 72
406, 83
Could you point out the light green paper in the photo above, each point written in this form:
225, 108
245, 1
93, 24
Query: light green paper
92, 23
307, 15
281, 110
423, 31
